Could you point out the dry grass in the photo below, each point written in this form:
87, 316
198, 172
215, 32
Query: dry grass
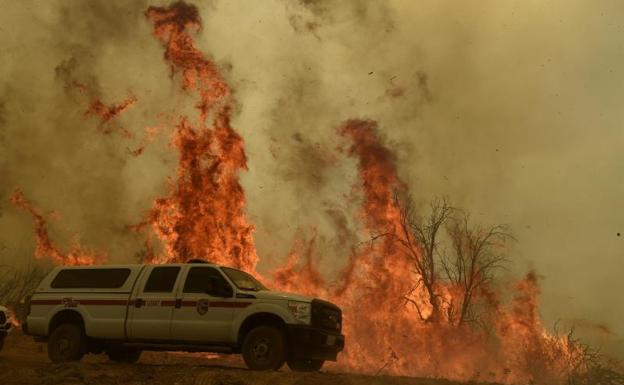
16, 284
593, 367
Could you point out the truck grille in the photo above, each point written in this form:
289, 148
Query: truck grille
326, 316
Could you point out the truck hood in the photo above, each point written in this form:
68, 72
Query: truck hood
269, 294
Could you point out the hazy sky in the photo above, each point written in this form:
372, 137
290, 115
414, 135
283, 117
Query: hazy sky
511, 108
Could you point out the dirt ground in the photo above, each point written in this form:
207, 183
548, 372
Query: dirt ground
25, 362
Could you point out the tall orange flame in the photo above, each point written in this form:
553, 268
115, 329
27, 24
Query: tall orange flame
45, 247
203, 216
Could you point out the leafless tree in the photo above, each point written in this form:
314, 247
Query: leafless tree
477, 253
420, 237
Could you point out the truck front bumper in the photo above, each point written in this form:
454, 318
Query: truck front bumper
307, 342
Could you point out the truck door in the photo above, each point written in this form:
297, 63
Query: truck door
198, 316
150, 311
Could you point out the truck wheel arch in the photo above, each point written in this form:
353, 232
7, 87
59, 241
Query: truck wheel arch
65, 317
259, 319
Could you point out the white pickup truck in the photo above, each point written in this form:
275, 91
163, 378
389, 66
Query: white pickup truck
197, 307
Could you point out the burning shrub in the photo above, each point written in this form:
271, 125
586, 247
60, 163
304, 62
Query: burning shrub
597, 374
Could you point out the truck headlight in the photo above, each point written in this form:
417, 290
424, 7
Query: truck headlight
301, 311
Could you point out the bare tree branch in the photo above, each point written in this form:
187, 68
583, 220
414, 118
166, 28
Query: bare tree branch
478, 253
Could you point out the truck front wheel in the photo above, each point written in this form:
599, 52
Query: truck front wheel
264, 348
302, 365
67, 343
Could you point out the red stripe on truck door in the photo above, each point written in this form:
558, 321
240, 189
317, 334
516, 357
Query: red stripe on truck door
218, 304
101, 302
45, 302
230, 304
123, 302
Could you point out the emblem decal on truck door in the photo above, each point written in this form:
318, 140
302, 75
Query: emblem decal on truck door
69, 302
202, 306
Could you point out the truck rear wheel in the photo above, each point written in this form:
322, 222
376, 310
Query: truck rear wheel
303, 365
67, 343
123, 354
264, 348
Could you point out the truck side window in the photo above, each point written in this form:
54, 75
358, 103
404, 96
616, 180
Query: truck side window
162, 279
198, 278
90, 278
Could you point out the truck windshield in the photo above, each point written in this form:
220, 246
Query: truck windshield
243, 280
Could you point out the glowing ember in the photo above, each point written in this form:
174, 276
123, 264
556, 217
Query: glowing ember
45, 247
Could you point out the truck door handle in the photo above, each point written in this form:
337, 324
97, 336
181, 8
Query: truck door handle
178, 303
138, 302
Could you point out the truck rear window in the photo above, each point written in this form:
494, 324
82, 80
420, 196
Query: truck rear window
90, 279
162, 279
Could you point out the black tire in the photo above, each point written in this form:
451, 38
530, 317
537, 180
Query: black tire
264, 348
123, 354
67, 343
303, 365
2, 337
